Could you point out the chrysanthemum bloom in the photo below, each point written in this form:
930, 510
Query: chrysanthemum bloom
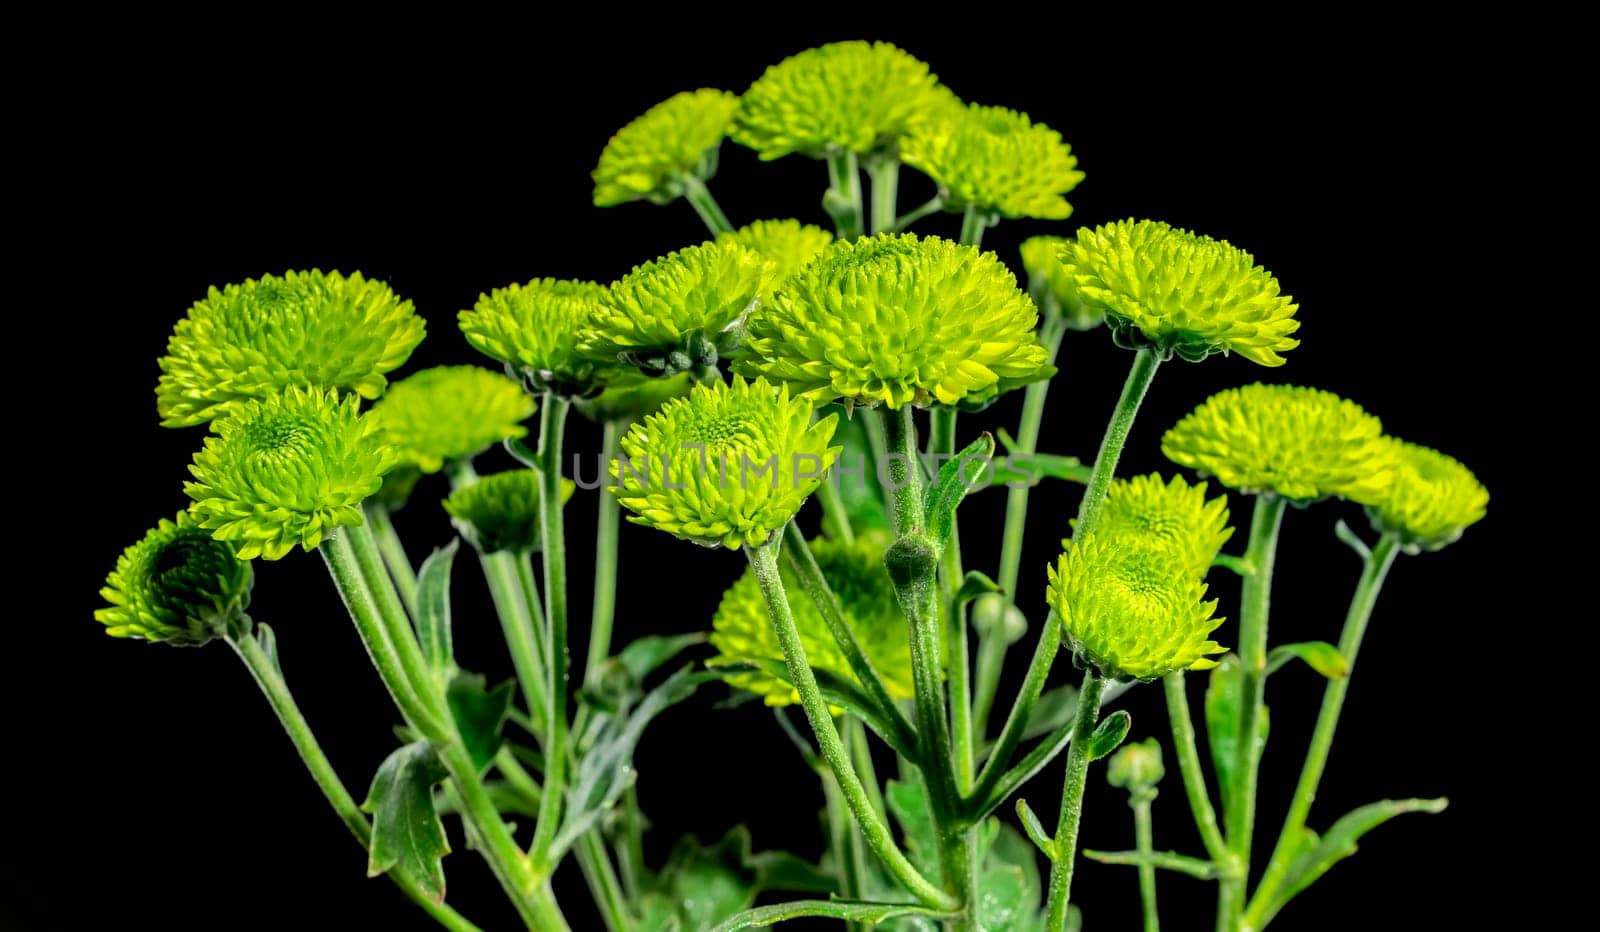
728, 465
788, 244
649, 158
898, 320
451, 413
1131, 611
534, 329
680, 312
177, 585
1052, 288
843, 97
306, 329
1300, 443
996, 160
286, 470
1178, 292
742, 632
501, 511
1432, 499
1171, 514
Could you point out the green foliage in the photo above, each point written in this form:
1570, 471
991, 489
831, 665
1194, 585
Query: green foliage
406, 831
479, 714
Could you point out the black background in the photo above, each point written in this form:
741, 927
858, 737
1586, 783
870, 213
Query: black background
160, 790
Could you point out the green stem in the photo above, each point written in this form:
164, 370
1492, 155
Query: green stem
885, 174
905, 470
995, 768
513, 605
764, 561
931, 206
396, 622
394, 554
1255, 602
552, 423
699, 197
992, 646
606, 525
942, 444
833, 508
1066, 840
1374, 570
595, 864
1140, 375
268, 677
630, 853
1161, 860
973, 222
797, 553
1144, 843
844, 194
1194, 779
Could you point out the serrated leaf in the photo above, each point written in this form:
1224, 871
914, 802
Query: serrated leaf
973, 585
405, 827
909, 804
861, 492
479, 713
1042, 839
1318, 655
1108, 734
956, 478
1339, 842
433, 607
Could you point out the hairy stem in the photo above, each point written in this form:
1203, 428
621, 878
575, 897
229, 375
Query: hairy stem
699, 197
552, 423
885, 174
973, 223
1194, 779
606, 525
942, 446
1066, 840
1144, 843
844, 194
394, 554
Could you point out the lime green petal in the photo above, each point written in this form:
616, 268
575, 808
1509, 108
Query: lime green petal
997, 160
501, 511
534, 329
1432, 500
649, 157
177, 585
451, 413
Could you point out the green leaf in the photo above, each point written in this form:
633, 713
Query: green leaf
1239, 566
1011, 855
710, 884
1001, 900
479, 714
956, 478
1339, 842
433, 607
1318, 655
847, 910
1108, 734
860, 492
1035, 829
840, 691
645, 655
1030, 469
269, 645
974, 585
909, 803
1055, 708
405, 828
1223, 720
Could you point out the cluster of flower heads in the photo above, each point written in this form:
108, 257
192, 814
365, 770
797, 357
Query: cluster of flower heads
742, 633
1131, 591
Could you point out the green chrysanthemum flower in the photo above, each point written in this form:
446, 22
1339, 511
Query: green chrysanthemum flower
899, 320
287, 470
305, 329
534, 329
728, 465
995, 159
1173, 515
501, 511
1301, 443
630, 395
1179, 292
1051, 287
742, 633
451, 413
1432, 499
788, 244
842, 97
679, 312
650, 157
1130, 610
177, 585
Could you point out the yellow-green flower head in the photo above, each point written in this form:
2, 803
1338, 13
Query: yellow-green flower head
995, 159
728, 465
788, 244
1136, 767
742, 633
1180, 292
1432, 500
451, 413
304, 329
177, 585
680, 312
534, 329
1051, 287
501, 511
287, 470
898, 320
843, 97
1130, 610
1301, 443
1169, 514
648, 158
